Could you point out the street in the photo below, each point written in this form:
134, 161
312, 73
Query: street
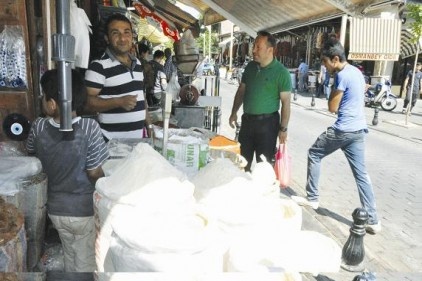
393, 159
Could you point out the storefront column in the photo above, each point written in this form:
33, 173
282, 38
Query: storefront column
343, 29
231, 48
385, 68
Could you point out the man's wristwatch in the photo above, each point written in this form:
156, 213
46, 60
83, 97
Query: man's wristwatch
283, 129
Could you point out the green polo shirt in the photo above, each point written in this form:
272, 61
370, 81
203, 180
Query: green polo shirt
263, 87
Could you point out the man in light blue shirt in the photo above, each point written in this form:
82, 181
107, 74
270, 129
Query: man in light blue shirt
347, 133
303, 75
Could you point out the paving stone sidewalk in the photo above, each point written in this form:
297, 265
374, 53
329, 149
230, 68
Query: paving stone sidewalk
333, 219
333, 225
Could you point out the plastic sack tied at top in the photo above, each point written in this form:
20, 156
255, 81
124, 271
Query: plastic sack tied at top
12, 57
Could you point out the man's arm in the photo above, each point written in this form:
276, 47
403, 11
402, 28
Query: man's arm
334, 100
406, 81
320, 76
148, 123
285, 116
95, 174
97, 104
238, 101
420, 87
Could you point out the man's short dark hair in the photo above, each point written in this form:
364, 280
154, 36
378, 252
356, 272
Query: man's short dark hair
270, 38
50, 86
158, 54
333, 48
143, 48
116, 17
167, 52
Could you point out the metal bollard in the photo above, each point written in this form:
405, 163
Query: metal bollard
375, 119
353, 251
295, 95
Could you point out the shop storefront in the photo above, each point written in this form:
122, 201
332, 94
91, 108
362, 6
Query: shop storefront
37, 21
371, 43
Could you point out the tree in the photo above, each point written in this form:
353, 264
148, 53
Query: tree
414, 13
214, 42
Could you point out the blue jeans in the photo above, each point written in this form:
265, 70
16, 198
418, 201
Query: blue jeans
353, 146
303, 83
327, 91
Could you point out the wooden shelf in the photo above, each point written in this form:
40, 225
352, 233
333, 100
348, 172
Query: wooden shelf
13, 12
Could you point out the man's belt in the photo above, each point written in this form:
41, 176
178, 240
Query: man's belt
259, 116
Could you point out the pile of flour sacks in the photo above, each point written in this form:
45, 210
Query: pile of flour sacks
151, 217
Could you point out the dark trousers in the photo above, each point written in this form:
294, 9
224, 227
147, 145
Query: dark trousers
258, 135
407, 99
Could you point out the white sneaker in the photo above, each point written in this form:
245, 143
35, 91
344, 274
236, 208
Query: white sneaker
373, 228
302, 201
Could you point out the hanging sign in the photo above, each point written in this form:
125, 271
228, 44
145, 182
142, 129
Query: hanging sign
372, 56
147, 13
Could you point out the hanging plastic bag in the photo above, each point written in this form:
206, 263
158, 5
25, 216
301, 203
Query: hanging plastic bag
173, 86
283, 166
12, 57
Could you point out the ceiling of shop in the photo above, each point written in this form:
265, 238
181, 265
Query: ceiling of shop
171, 13
279, 15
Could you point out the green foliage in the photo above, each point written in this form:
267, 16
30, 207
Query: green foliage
214, 42
415, 13
169, 44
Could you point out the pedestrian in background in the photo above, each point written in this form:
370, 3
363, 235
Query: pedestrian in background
160, 79
412, 94
169, 65
217, 68
347, 133
302, 72
115, 84
73, 163
264, 84
143, 52
324, 81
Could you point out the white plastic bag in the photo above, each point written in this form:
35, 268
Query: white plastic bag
12, 57
187, 44
173, 86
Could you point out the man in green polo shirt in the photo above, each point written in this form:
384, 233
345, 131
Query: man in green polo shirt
264, 84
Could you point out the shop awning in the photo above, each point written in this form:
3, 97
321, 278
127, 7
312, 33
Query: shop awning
280, 15
180, 18
407, 46
374, 39
149, 31
159, 21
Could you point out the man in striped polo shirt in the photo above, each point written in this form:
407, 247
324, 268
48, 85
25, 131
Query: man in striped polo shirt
115, 84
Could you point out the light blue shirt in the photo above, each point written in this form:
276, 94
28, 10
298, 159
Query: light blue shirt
351, 114
303, 68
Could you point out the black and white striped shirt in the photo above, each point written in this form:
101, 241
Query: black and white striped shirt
117, 80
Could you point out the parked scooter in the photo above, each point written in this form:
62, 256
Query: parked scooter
381, 95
